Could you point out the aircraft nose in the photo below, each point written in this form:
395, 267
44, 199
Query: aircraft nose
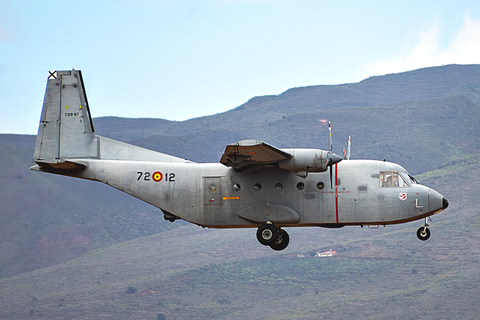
445, 203
436, 202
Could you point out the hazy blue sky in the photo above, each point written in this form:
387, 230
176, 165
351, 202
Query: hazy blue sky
183, 59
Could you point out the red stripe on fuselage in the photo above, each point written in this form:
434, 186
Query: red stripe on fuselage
336, 192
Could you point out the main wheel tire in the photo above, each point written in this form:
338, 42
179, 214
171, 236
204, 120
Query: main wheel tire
267, 234
282, 241
423, 233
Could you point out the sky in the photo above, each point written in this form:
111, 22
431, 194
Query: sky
179, 60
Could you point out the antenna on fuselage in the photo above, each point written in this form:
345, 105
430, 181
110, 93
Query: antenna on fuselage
349, 145
346, 154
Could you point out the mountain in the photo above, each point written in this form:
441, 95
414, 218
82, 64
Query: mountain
418, 85
73, 248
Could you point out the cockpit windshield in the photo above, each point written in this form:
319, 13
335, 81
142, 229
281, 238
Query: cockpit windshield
391, 179
408, 177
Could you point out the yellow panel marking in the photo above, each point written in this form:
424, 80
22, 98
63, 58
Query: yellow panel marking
80, 107
66, 107
231, 198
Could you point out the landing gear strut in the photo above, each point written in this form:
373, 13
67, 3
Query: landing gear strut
423, 233
269, 235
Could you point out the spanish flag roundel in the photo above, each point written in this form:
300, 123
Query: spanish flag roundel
157, 176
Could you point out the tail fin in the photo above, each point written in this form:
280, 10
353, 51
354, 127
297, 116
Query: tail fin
66, 134
66, 127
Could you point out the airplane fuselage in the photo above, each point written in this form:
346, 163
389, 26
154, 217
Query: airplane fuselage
213, 195
255, 184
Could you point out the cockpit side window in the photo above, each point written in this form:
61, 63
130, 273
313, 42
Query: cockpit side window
385, 179
392, 179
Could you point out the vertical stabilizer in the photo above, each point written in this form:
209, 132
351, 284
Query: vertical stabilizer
66, 127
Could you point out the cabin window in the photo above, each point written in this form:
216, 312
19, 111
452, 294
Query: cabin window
392, 179
257, 187
320, 185
212, 187
278, 186
300, 186
236, 187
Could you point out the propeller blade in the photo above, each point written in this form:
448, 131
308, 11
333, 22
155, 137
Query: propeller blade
331, 160
330, 147
331, 183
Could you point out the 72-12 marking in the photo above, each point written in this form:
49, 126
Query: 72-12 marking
157, 176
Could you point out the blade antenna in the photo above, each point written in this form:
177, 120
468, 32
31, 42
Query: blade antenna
348, 148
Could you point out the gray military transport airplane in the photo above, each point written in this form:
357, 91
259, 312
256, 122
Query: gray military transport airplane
255, 185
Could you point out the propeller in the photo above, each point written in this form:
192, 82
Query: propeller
332, 158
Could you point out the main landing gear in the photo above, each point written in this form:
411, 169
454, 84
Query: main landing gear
269, 235
423, 233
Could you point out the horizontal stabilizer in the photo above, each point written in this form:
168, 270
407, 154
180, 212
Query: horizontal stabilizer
61, 166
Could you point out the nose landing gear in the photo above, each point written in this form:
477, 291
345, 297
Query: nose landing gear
269, 235
423, 233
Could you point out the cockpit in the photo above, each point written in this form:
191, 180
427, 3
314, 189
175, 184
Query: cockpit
395, 179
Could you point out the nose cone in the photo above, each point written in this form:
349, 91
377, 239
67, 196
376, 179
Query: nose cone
436, 202
445, 203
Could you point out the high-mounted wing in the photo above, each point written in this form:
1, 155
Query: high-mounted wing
248, 155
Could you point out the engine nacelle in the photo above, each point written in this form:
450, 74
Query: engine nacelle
308, 160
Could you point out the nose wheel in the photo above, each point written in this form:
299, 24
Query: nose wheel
269, 235
423, 233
